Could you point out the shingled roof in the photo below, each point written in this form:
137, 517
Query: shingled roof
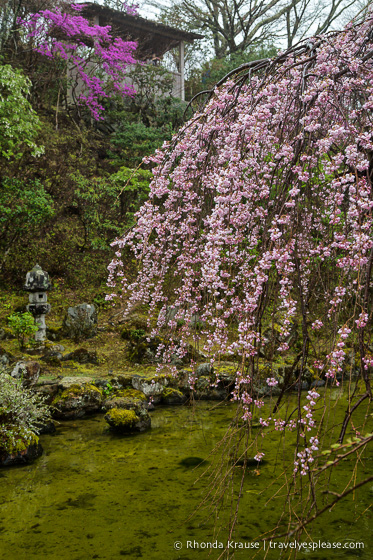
154, 39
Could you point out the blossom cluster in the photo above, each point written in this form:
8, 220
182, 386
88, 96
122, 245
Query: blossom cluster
305, 457
96, 58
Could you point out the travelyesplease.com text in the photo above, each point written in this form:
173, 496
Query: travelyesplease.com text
271, 544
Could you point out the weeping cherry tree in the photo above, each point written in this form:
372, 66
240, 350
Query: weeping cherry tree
259, 221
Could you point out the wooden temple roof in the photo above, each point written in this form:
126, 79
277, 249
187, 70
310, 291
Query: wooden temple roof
153, 39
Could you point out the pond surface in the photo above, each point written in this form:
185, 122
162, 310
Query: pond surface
96, 495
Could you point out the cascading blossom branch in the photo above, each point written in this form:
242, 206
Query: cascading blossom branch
260, 212
97, 60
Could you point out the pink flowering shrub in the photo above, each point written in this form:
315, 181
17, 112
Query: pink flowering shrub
260, 209
97, 59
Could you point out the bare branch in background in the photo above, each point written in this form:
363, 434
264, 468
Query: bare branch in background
234, 26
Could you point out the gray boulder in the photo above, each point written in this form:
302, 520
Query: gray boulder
151, 387
80, 322
317, 383
204, 370
5, 358
27, 371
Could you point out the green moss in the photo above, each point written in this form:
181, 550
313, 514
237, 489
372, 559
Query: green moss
15, 447
17, 441
119, 417
77, 391
226, 368
169, 392
55, 332
131, 394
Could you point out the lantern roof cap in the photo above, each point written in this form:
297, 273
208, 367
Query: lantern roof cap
37, 280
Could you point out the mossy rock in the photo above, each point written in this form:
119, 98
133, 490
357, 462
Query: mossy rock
136, 321
262, 389
28, 372
5, 357
21, 449
205, 370
204, 390
80, 322
76, 401
126, 421
122, 381
122, 418
78, 390
131, 394
226, 372
68, 381
82, 356
53, 361
172, 396
126, 402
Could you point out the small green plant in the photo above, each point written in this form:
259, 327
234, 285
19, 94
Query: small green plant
107, 389
22, 326
137, 334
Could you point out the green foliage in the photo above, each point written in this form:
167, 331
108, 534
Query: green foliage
214, 70
133, 185
97, 209
105, 206
19, 124
151, 83
134, 140
143, 124
24, 207
133, 334
22, 326
23, 204
21, 411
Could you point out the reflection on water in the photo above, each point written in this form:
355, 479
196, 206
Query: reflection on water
96, 495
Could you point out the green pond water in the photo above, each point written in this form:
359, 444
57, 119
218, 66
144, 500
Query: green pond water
96, 495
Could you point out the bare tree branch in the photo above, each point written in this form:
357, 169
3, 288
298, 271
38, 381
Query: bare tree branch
236, 25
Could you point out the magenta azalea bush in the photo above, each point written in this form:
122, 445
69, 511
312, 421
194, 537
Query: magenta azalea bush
259, 222
97, 59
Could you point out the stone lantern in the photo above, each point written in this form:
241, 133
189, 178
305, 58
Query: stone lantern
37, 283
